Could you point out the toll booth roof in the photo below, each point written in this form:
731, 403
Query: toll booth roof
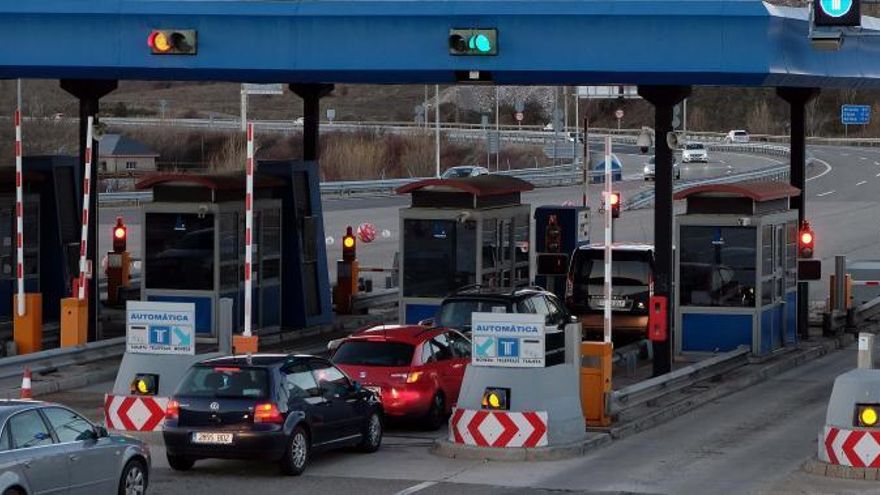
188, 188
750, 198
485, 191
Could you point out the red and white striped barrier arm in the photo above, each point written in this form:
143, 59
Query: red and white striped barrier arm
248, 228
87, 185
19, 215
869, 283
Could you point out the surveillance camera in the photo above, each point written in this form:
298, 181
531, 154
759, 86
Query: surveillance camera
829, 41
203, 210
463, 217
645, 140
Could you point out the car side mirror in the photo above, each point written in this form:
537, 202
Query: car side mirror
427, 322
101, 432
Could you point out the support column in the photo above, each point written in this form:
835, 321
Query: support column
664, 98
797, 99
311, 95
89, 92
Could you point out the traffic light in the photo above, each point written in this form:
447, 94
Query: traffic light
837, 13
473, 42
172, 41
145, 384
806, 241
349, 246
496, 398
120, 235
614, 199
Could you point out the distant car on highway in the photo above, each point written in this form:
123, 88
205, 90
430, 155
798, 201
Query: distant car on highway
649, 173
464, 171
275, 407
48, 448
737, 136
694, 152
417, 371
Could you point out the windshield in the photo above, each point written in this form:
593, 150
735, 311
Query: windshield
695, 147
453, 173
225, 382
740, 133
628, 268
457, 313
366, 353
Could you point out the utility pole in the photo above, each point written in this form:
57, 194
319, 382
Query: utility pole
437, 128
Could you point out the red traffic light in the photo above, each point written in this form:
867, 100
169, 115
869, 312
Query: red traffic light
120, 235
614, 199
806, 241
172, 41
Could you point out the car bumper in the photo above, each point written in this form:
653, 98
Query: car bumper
403, 403
623, 324
245, 444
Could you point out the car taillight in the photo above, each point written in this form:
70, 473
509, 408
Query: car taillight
413, 377
267, 412
172, 410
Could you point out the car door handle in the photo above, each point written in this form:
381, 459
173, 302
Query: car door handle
73, 458
26, 464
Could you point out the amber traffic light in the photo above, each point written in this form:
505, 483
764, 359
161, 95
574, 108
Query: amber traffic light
349, 245
120, 236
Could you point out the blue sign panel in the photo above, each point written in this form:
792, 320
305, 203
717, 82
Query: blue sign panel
855, 114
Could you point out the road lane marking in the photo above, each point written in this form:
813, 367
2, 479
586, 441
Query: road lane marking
827, 169
878, 175
860, 183
876, 163
416, 488
862, 158
826, 193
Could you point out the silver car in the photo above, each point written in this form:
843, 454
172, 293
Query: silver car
649, 173
48, 448
464, 171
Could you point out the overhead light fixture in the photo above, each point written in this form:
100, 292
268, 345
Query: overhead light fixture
828, 41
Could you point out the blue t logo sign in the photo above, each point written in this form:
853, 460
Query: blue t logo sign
836, 8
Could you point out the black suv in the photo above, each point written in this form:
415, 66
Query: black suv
455, 311
271, 407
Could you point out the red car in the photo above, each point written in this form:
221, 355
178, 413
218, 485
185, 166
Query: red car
416, 371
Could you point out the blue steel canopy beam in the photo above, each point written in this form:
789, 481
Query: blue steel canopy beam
694, 42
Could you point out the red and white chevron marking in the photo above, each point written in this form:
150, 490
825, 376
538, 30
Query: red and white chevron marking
133, 413
483, 428
856, 448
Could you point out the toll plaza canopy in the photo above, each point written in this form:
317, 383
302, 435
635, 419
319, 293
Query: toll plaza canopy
682, 42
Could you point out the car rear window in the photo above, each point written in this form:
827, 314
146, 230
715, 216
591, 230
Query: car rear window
371, 353
457, 313
225, 382
695, 147
740, 133
631, 268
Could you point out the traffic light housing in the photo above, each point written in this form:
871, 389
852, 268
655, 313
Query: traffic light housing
615, 201
349, 246
120, 236
496, 398
172, 41
145, 384
479, 42
837, 13
806, 241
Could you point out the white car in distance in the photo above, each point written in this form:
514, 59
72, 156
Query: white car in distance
694, 152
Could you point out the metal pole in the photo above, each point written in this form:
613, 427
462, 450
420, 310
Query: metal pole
426, 106
865, 358
437, 129
608, 240
586, 164
18, 93
577, 121
248, 230
555, 126
244, 102
497, 132
840, 283
684, 115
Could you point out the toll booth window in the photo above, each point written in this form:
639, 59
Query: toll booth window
179, 251
431, 248
231, 249
521, 253
717, 266
497, 253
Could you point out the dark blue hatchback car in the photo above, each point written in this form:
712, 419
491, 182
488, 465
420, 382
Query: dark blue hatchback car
272, 407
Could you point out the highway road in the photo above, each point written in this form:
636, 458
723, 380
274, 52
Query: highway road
743, 443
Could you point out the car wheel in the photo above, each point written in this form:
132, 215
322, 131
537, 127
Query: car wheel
13, 491
296, 457
134, 478
179, 462
373, 435
437, 413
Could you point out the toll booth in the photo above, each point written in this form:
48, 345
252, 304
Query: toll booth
194, 238
559, 230
51, 231
736, 268
458, 233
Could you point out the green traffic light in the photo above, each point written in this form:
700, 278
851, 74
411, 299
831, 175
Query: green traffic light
480, 43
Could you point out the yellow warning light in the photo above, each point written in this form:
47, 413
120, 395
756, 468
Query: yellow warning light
496, 398
868, 416
348, 242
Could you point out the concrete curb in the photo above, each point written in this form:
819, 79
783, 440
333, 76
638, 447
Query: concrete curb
671, 411
817, 467
445, 448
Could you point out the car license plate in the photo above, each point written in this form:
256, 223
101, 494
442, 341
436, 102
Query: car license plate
212, 438
615, 303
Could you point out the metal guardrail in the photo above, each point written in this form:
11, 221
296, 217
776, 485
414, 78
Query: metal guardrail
54, 359
837, 321
379, 297
657, 387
